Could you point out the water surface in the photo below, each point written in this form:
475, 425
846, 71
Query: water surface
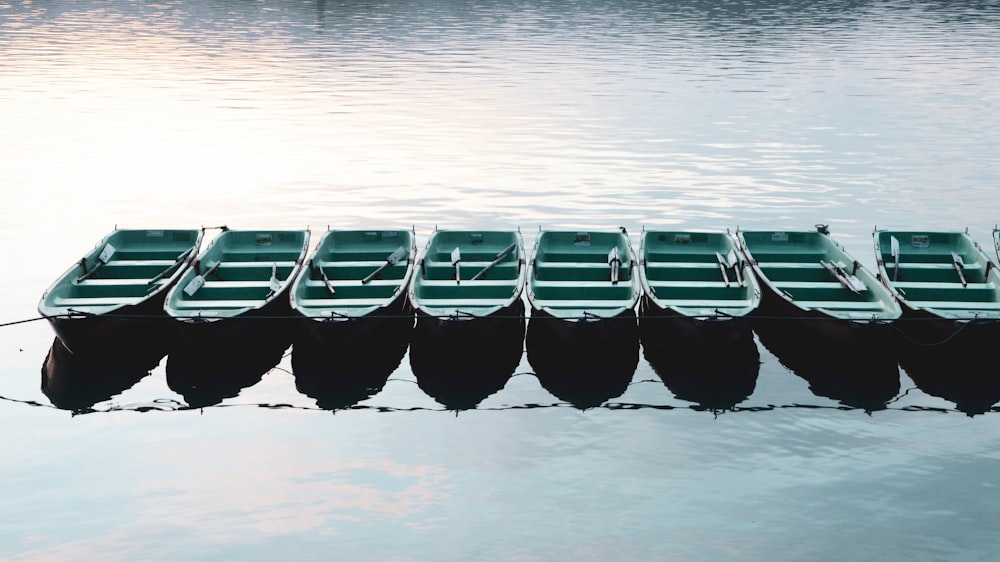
482, 114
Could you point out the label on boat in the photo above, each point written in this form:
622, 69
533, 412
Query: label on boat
106, 253
154, 234
389, 234
682, 238
263, 240
920, 241
582, 239
779, 237
194, 285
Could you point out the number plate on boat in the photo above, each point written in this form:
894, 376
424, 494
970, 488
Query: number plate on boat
154, 234
682, 239
920, 241
779, 237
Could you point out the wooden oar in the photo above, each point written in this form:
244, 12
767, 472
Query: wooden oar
499, 258
164, 273
722, 267
894, 250
192, 287
956, 260
102, 259
394, 258
849, 281
456, 258
326, 280
615, 261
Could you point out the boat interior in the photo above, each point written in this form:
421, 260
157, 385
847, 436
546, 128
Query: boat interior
485, 275
577, 270
695, 270
355, 271
127, 267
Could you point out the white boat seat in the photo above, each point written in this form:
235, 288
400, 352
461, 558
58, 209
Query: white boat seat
842, 305
956, 305
96, 301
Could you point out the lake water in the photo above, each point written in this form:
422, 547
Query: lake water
482, 114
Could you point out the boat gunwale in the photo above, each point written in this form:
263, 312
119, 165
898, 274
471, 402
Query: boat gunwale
342, 312
944, 309
51, 310
200, 314
614, 309
889, 309
423, 306
740, 307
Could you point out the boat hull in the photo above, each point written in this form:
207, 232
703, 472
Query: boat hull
460, 360
138, 333
663, 326
778, 315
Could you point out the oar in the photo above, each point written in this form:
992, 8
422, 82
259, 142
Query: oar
956, 260
164, 273
192, 287
615, 261
102, 259
894, 250
326, 280
734, 263
394, 258
500, 257
851, 282
722, 267
456, 258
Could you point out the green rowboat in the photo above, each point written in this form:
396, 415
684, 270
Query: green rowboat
112, 299
582, 276
807, 276
696, 288
943, 280
241, 273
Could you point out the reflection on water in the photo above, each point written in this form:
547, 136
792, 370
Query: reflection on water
77, 381
967, 375
859, 376
716, 379
584, 363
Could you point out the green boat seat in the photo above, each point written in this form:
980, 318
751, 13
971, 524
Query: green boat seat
209, 304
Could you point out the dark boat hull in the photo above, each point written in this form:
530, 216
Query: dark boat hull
663, 326
921, 328
459, 361
778, 314
138, 330
584, 362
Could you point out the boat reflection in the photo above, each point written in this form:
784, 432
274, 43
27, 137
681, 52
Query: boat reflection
77, 381
961, 373
702, 374
588, 368
339, 373
859, 376
460, 362
206, 375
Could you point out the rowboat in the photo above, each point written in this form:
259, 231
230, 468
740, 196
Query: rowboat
947, 287
807, 277
467, 295
110, 303
242, 277
355, 317
696, 289
354, 286
583, 294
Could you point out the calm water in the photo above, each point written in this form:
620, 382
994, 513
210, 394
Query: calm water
556, 114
